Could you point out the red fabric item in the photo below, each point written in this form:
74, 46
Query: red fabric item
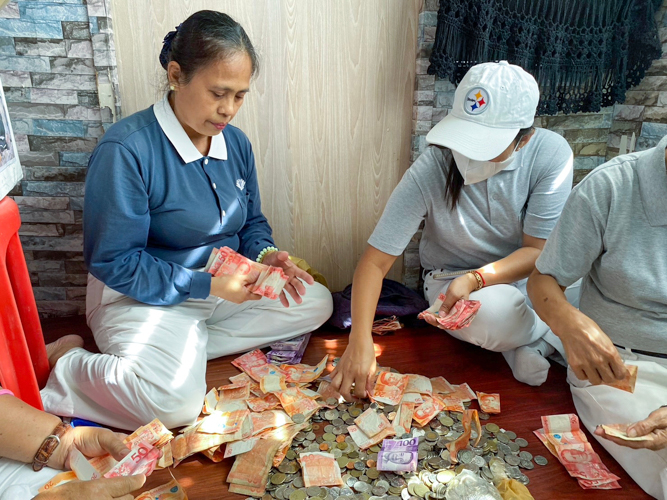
24, 366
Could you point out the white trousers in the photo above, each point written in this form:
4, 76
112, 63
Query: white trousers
506, 319
19, 482
601, 404
153, 361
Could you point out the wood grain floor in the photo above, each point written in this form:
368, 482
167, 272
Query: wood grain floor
429, 352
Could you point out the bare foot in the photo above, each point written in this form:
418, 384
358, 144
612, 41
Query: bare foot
56, 350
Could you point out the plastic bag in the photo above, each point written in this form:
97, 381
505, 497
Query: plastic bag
511, 489
469, 486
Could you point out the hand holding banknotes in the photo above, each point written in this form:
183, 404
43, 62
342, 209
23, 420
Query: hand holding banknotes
460, 288
234, 287
296, 275
92, 442
650, 433
590, 352
116, 488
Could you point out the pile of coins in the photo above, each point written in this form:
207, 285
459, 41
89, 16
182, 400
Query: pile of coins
327, 432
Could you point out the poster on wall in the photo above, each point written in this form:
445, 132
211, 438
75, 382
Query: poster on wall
10, 168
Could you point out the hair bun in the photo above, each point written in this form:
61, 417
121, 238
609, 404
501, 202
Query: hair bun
166, 46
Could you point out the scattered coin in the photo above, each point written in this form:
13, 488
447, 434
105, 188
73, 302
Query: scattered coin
540, 460
298, 418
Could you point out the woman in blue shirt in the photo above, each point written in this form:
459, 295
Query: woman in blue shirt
164, 187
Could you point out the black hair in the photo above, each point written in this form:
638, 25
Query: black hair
455, 179
204, 37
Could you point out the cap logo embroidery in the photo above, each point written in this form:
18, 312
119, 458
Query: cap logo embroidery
476, 101
240, 183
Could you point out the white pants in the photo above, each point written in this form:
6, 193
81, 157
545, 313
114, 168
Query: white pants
154, 357
506, 319
601, 404
19, 482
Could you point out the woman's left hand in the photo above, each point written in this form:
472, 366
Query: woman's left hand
460, 288
294, 286
92, 442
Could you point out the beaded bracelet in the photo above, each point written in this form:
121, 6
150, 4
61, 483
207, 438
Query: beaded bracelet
263, 253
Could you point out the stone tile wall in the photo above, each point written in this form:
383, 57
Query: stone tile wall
58, 70
594, 137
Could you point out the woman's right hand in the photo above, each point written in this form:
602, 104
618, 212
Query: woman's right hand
234, 287
116, 488
356, 366
590, 352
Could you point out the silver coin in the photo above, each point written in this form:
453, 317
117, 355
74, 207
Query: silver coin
479, 461
526, 464
361, 487
298, 418
523, 479
525, 455
511, 435
521, 442
540, 460
332, 401
512, 459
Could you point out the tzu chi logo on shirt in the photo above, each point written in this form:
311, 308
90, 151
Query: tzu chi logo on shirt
476, 102
240, 183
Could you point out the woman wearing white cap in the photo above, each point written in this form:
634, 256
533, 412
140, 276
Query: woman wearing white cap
489, 190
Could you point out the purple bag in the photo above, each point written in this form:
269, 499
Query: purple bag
395, 300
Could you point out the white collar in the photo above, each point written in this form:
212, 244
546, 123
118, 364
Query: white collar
174, 131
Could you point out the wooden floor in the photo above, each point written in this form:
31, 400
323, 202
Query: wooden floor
429, 352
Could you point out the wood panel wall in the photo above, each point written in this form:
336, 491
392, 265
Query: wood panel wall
329, 114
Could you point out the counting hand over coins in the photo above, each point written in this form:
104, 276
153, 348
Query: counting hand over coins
293, 437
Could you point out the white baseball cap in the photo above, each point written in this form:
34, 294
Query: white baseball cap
491, 104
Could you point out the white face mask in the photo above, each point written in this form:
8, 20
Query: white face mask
477, 171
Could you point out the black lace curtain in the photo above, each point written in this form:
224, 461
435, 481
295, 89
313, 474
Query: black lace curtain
584, 54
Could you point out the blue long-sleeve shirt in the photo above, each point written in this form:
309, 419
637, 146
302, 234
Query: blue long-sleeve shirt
155, 207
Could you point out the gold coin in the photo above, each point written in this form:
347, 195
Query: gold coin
421, 490
375, 449
278, 478
445, 476
373, 473
298, 495
341, 446
342, 462
329, 437
356, 473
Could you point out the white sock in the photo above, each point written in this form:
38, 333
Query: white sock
528, 363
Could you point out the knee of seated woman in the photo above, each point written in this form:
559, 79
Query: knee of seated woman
175, 408
319, 302
502, 322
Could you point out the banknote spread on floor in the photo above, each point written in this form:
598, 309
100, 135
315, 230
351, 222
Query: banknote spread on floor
293, 437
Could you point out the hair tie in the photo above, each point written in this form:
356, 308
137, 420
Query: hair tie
166, 46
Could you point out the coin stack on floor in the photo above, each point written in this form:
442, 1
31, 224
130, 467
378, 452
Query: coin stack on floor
414, 439
328, 432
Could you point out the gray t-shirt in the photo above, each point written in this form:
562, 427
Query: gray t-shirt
491, 217
613, 233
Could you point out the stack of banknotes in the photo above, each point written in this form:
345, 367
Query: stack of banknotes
150, 447
459, 316
566, 441
288, 351
269, 281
